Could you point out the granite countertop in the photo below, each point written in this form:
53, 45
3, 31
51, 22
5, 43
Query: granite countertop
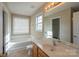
60, 50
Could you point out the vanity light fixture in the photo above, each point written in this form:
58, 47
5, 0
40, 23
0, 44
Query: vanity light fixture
52, 5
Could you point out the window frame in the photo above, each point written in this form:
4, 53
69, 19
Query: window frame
37, 23
14, 15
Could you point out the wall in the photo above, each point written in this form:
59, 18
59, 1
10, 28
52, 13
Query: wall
34, 33
19, 37
65, 23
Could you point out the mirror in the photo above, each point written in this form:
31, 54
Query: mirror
58, 25
52, 28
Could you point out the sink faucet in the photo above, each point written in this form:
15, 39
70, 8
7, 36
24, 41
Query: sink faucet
54, 42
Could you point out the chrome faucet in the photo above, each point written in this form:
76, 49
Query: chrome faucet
54, 43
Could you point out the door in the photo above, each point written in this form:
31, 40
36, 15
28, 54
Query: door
56, 28
76, 28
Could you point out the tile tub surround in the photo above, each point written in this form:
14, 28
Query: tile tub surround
60, 50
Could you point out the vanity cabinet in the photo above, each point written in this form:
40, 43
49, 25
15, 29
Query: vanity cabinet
34, 50
37, 52
41, 53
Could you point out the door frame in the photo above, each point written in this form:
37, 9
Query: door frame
4, 45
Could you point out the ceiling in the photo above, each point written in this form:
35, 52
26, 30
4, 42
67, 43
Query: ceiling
29, 8
24, 8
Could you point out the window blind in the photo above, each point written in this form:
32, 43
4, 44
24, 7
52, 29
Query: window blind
20, 25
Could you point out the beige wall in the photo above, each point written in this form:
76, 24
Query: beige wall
33, 26
65, 23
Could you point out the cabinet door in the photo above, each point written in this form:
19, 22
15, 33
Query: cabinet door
41, 53
34, 50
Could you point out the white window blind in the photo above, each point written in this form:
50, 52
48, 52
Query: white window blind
20, 25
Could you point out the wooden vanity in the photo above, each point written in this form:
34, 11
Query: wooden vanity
37, 52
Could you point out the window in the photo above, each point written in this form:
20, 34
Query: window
39, 23
20, 25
